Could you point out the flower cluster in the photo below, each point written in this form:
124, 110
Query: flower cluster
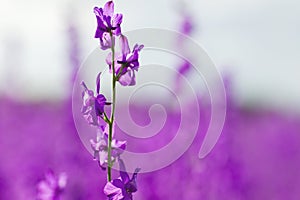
122, 187
122, 65
125, 63
93, 106
51, 187
186, 28
100, 147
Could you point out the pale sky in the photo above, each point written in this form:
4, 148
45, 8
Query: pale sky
257, 41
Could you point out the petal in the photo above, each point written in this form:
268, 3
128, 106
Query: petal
117, 31
118, 64
100, 23
106, 130
119, 144
93, 145
118, 148
100, 29
99, 104
90, 116
136, 171
138, 47
98, 83
103, 158
131, 185
117, 20
106, 41
87, 95
118, 183
109, 59
124, 45
113, 192
108, 9
124, 175
133, 61
98, 12
84, 85
128, 79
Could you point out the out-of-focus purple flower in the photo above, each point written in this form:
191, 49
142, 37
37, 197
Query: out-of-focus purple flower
108, 23
184, 67
122, 187
100, 147
93, 106
126, 62
183, 70
187, 25
51, 187
185, 28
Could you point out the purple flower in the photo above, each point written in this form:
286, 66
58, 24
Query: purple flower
108, 23
100, 147
93, 106
187, 25
126, 62
184, 68
51, 187
122, 187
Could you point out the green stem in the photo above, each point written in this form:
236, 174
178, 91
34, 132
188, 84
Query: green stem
111, 123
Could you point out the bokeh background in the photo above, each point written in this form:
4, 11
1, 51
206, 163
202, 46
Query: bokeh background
255, 46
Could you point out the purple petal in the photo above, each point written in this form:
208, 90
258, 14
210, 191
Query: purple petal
124, 45
136, 171
106, 130
98, 83
133, 61
119, 144
94, 145
84, 85
99, 31
88, 98
118, 148
117, 20
99, 104
91, 117
138, 47
87, 95
98, 12
131, 186
100, 23
106, 41
108, 59
128, 79
108, 9
116, 24
124, 175
117, 31
118, 183
103, 158
113, 192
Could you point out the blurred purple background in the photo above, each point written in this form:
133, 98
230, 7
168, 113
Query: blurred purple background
258, 154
